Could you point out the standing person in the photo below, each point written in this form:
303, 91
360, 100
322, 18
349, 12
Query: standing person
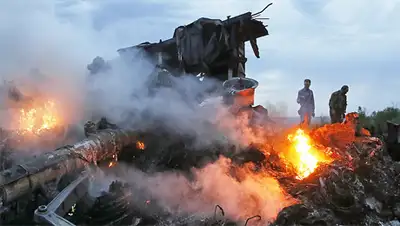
305, 98
338, 105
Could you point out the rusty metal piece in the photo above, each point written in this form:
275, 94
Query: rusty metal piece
24, 178
240, 91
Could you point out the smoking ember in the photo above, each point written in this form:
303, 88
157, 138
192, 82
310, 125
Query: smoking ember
111, 164
140, 145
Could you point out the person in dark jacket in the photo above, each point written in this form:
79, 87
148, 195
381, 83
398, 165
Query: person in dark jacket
305, 97
338, 105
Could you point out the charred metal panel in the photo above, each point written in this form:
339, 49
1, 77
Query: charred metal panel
241, 61
200, 43
209, 46
393, 140
393, 132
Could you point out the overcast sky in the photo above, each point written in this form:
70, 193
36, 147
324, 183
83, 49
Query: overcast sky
332, 42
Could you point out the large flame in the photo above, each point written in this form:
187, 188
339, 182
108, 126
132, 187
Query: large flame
38, 119
305, 157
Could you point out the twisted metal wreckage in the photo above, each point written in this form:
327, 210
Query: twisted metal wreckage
361, 186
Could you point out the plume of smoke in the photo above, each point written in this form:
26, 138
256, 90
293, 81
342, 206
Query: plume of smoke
41, 52
213, 185
52, 62
123, 95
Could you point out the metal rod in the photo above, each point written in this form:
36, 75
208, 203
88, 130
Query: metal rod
258, 13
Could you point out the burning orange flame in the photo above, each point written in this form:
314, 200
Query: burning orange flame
306, 158
113, 162
35, 120
140, 145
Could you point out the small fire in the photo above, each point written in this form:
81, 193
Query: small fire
113, 162
140, 145
37, 119
306, 158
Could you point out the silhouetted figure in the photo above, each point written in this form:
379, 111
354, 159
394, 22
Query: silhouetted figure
338, 105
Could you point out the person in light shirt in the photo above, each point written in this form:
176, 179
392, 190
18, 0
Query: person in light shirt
305, 97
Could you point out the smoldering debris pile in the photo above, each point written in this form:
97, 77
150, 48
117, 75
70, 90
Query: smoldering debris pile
360, 189
119, 206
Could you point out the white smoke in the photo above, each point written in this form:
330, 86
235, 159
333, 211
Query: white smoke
36, 39
56, 42
213, 185
122, 94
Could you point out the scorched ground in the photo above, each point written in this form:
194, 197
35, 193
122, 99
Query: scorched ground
324, 176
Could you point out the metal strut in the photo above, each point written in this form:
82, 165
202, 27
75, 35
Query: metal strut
62, 203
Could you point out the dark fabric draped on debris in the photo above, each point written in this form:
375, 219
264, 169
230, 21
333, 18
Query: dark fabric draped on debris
201, 42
